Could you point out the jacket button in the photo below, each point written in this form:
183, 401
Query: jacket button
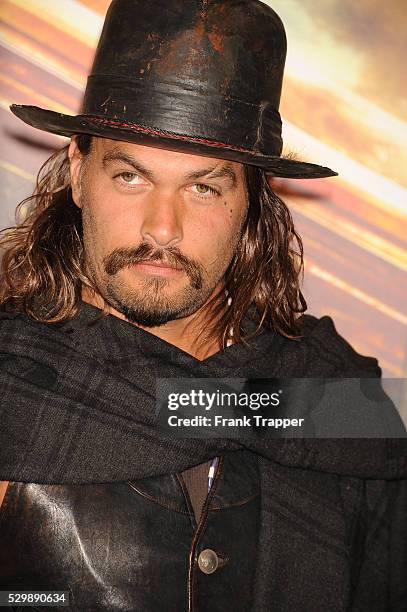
208, 561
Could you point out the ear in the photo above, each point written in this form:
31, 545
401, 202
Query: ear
76, 161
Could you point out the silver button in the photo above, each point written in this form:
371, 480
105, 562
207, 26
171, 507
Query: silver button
208, 561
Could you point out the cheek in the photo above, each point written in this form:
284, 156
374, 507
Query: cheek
95, 225
106, 224
216, 235
229, 224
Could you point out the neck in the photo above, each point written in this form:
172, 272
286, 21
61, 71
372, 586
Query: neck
182, 333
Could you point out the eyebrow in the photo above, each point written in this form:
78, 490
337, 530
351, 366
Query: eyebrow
116, 155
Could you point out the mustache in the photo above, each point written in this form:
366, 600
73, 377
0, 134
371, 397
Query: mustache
145, 252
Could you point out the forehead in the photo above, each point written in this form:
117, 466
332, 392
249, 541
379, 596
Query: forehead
156, 158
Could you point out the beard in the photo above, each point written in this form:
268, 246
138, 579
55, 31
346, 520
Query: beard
151, 303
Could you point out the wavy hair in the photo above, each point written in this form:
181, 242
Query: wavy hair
43, 270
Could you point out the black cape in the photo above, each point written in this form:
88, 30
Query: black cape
77, 401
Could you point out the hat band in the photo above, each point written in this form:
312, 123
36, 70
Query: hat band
185, 109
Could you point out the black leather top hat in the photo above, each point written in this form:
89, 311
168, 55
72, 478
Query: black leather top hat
200, 76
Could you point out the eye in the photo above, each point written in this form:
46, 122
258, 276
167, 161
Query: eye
205, 190
130, 178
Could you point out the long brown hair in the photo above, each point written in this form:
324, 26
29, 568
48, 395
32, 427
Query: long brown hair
43, 270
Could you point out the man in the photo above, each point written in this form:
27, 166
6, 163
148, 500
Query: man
155, 248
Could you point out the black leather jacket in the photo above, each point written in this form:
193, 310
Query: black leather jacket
136, 546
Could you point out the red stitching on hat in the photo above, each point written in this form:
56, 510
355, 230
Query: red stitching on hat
147, 130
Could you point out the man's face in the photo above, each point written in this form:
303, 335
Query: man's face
160, 228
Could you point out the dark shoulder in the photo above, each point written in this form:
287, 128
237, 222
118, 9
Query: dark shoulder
22, 334
22, 320
6, 316
326, 353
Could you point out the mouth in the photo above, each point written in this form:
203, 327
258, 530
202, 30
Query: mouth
157, 268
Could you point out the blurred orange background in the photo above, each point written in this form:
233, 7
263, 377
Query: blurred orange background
343, 105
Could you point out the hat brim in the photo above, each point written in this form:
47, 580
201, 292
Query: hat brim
69, 125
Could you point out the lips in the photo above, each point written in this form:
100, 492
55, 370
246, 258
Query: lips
157, 268
159, 264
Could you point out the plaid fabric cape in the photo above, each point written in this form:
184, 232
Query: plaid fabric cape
77, 405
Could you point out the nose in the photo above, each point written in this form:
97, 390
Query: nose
162, 223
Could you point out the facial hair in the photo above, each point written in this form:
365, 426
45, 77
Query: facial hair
149, 304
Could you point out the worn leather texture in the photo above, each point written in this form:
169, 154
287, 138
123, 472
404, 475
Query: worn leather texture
200, 76
134, 545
